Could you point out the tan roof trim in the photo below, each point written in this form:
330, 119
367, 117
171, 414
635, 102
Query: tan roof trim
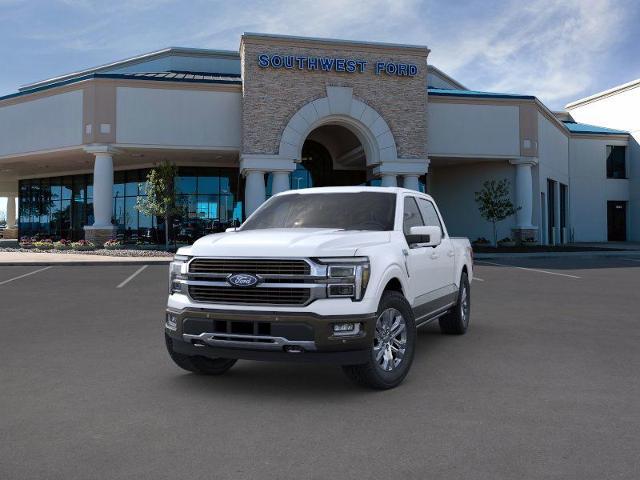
602, 136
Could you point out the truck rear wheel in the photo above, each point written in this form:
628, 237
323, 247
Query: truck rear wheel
199, 365
392, 346
456, 321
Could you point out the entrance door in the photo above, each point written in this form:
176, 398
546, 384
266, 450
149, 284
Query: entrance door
617, 221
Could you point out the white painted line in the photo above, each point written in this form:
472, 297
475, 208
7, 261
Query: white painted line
528, 269
25, 275
478, 279
132, 276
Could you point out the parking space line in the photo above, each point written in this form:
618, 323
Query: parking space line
528, 269
478, 279
25, 275
132, 276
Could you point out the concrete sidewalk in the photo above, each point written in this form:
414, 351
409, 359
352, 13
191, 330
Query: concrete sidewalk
594, 253
35, 259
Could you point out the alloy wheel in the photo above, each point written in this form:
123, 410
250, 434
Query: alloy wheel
390, 342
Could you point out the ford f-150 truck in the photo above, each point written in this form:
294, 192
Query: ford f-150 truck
341, 275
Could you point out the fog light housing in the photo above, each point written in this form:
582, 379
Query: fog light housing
171, 323
346, 329
341, 290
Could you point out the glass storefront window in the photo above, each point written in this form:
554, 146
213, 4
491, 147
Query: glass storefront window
60, 207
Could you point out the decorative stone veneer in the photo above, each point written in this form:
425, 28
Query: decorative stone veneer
271, 96
9, 233
524, 234
99, 235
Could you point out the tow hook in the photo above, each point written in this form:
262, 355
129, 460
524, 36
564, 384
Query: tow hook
293, 349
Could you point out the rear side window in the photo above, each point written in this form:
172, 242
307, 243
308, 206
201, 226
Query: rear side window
411, 216
429, 214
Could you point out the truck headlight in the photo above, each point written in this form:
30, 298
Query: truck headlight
348, 276
177, 271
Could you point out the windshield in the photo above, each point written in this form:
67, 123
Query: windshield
345, 211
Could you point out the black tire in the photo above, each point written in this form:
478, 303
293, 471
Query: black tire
199, 365
372, 374
456, 321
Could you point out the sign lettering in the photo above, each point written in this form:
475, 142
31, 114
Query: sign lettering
332, 64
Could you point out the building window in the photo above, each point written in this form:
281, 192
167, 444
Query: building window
59, 207
616, 161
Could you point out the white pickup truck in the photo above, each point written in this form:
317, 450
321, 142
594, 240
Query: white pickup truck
341, 275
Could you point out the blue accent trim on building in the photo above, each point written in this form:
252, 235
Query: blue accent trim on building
225, 79
585, 128
444, 92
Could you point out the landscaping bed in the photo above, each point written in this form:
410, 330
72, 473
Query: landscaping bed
102, 252
538, 248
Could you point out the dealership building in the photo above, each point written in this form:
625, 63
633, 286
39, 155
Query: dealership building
289, 112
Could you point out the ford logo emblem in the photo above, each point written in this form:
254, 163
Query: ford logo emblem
243, 280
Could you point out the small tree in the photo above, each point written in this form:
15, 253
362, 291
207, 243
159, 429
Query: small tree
160, 199
494, 203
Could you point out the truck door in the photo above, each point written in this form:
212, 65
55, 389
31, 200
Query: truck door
442, 257
422, 280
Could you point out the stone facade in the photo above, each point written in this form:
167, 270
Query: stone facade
272, 96
99, 236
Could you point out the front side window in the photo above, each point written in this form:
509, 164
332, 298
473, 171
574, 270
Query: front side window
429, 214
411, 216
616, 164
344, 211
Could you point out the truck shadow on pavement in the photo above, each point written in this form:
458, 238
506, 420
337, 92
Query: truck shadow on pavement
300, 380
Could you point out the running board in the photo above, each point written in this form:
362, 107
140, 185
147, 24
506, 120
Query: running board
430, 317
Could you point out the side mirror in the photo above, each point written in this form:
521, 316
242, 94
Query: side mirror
425, 236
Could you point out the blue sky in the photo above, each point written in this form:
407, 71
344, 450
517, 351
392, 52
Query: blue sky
557, 50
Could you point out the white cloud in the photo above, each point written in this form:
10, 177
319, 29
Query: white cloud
546, 48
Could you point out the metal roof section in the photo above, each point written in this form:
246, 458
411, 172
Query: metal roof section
604, 93
186, 77
177, 75
443, 92
145, 57
449, 78
584, 128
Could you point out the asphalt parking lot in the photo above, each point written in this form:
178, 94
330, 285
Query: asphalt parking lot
546, 384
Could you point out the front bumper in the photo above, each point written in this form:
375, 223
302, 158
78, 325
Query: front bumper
260, 335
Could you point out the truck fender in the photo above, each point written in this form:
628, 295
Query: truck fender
392, 271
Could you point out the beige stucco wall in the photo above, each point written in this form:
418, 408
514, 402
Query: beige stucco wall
272, 96
460, 129
178, 117
50, 122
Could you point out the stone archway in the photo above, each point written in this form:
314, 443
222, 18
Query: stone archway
339, 107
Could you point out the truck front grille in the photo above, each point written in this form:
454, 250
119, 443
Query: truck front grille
250, 296
250, 265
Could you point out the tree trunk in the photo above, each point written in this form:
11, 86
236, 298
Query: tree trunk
166, 232
495, 235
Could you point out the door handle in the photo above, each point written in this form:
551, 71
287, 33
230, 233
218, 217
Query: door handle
451, 253
434, 255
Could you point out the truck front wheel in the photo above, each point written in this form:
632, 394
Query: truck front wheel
392, 346
200, 365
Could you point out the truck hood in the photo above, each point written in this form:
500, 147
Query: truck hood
290, 242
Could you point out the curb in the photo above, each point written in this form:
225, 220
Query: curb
85, 263
617, 253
